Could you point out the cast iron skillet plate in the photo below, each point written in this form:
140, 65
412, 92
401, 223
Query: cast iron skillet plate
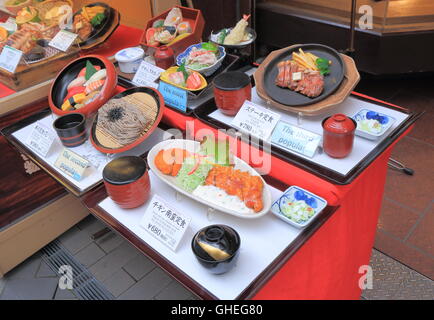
294, 99
103, 27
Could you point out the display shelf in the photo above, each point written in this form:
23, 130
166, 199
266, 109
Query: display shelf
18, 134
340, 171
258, 259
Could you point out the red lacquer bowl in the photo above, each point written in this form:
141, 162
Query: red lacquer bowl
158, 98
126, 180
58, 89
338, 135
231, 90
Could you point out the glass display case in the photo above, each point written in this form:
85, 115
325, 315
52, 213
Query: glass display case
387, 15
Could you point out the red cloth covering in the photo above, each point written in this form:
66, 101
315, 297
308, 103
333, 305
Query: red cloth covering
123, 37
327, 265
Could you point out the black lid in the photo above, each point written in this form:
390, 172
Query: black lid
232, 80
219, 240
124, 170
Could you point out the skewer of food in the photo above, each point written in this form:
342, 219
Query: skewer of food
304, 73
212, 175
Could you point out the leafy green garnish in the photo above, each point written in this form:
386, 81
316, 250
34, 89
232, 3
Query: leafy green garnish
90, 70
210, 47
97, 20
222, 36
183, 70
323, 66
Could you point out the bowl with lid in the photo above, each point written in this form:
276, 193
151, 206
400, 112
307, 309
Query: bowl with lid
216, 247
338, 135
231, 90
126, 180
129, 59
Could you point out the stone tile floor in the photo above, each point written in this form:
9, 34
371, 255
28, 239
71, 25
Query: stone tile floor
127, 274
406, 226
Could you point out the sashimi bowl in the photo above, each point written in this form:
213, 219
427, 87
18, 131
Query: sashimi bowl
192, 58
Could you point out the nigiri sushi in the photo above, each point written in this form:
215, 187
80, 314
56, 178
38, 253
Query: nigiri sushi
177, 78
77, 82
99, 75
94, 86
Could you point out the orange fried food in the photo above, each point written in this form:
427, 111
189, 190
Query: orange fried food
170, 161
246, 187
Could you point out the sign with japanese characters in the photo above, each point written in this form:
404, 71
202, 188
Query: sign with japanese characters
256, 120
40, 139
10, 58
164, 223
63, 40
173, 96
146, 75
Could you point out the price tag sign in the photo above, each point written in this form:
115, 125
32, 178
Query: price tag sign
146, 75
10, 58
164, 223
256, 120
173, 96
296, 139
63, 40
71, 164
40, 139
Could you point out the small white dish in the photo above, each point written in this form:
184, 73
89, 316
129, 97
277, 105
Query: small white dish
130, 59
300, 205
372, 124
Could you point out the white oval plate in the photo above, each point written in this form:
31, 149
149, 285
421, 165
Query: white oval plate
194, 146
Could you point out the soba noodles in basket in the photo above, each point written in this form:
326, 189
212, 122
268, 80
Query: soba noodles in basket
124, 120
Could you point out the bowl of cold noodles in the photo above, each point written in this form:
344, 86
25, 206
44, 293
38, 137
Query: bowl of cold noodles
127, 120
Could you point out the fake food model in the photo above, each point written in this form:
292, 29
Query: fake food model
183, 78
304, 73
85, 87
238, 35
213, 175
89, 19
169, 30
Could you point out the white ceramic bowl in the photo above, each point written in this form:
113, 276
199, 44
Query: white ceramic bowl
129, 59
364, 132
289, 196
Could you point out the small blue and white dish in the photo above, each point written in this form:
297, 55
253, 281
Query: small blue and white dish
207, 71
298, 207
372, 124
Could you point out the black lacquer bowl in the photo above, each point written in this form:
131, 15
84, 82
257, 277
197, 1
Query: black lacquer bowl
71, 129
216, 247
294, 99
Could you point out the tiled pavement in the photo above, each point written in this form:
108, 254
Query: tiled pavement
127, 274
406, 225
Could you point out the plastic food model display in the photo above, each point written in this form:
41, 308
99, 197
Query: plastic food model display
89, 18
83, 86
298, 207
338, 137
204, 57
304, 74
216, 247
234, 36
37, 24
371, 124
212, 174
168, 31
183, 78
